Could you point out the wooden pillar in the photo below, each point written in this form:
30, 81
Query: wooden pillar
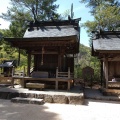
101, 72
19, 57
29, 64
24, 72
35, 63
56, 85
68, 72
57, 72
59, 62
59, 59
13, 70
106, 72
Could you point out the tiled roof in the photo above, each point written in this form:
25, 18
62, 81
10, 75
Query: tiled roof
8, 63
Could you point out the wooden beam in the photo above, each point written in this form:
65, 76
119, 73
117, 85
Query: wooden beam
108, 51
57, 72
68, 72
59, 62
46, 52
101, 72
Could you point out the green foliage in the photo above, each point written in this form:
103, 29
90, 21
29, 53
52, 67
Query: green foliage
65, 14
10, 53
106, 17
28, 10
17, 29
93, 4
85, 59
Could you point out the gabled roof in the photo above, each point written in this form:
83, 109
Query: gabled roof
58, 33
104, 44
8, 63
107, 41
52, 31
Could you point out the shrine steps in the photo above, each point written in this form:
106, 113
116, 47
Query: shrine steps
48, 96
28, 100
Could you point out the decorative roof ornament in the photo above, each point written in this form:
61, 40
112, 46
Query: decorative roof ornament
72, 13
95, 35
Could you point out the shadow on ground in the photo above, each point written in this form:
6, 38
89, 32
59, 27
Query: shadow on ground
95, 95
13, 111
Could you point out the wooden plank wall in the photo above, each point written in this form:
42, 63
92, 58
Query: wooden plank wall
50, 62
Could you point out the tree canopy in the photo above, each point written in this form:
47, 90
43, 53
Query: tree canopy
31, 10
93, 4
22, 11
106, 15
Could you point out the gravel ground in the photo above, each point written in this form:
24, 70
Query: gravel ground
92, 110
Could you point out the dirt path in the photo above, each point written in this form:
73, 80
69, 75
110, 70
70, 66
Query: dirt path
93, 110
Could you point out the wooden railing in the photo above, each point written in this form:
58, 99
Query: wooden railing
5, 80
18, 73
64, 74
114, 85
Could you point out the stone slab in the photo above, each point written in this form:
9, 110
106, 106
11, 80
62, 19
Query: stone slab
60, 99
28, 100
49, 96
76, 99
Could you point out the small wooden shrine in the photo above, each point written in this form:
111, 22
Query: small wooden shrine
7, 67
53, 44
106, 47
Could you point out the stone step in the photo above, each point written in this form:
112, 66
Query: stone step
110, 92
28, 100
35, 85
49, 96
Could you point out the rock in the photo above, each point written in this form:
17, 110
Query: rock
76, 99
4, 95
48, 98
60, 99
